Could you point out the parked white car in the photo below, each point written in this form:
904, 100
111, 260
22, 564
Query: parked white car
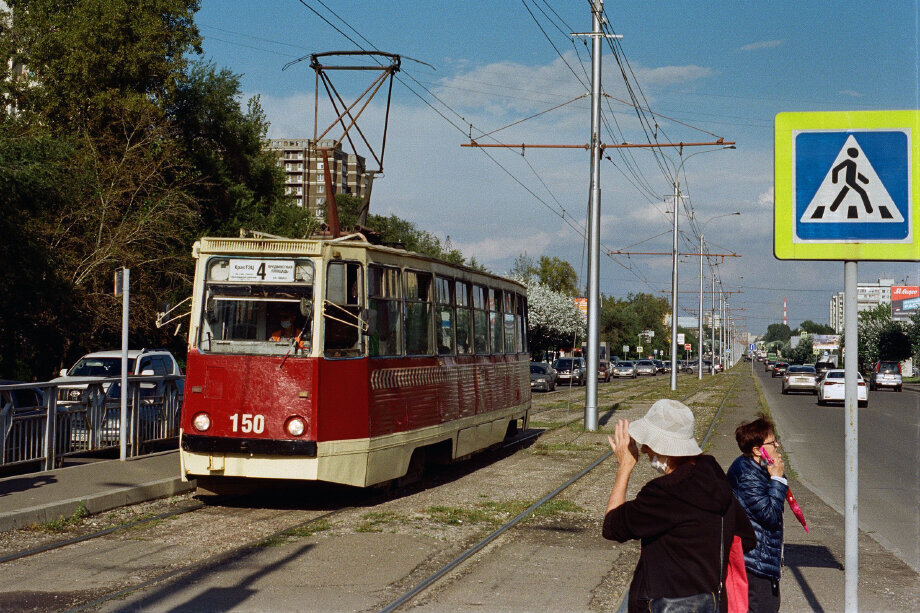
73, 381
831, 388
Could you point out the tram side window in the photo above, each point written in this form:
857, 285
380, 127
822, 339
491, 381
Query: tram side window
418, 313
342, 310
444, 316
510, 346
384, 307
521, 324
464, 318
495, 319
480, 319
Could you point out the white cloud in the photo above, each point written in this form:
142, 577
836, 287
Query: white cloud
763, 44
851, 93
766, 198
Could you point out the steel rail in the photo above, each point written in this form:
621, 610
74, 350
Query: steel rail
93, 535
428, 582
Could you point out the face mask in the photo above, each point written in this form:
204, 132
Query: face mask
285, 324
659, 464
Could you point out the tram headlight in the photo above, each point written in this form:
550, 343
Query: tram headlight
201, 422
295, 426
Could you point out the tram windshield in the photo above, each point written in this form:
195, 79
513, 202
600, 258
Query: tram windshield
258, 307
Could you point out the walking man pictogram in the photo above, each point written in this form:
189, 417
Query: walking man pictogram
850, 182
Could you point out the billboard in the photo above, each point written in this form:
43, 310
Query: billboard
825, 342
905, 301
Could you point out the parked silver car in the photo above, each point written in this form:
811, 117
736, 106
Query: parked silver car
646, 367
542, 377
625, 368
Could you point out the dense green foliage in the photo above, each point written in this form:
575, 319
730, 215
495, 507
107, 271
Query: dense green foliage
121, 150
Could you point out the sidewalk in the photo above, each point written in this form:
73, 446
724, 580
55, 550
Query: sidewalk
40, 497
813, 575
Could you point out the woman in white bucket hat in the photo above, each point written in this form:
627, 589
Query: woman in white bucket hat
685, 519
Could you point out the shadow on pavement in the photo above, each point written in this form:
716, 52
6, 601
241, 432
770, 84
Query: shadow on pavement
798, 556
21, 484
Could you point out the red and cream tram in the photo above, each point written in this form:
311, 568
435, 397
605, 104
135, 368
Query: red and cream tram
384, 356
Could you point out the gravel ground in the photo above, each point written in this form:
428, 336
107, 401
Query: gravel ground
454, 507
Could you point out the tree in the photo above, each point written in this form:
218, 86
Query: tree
397, 231
558, 274
555, 321
803, 353
893, 343
814, 328
89, 60
870, 324
778, 332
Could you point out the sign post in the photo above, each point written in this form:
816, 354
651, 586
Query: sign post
122, 288
848, 189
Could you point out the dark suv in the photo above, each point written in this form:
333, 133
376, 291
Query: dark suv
886, 374
823, 367
779, 369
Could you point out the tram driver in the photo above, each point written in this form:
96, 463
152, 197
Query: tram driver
288, 330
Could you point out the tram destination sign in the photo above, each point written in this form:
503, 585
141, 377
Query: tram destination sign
847, 186
276, 271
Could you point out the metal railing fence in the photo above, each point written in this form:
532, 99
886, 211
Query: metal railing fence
87, 417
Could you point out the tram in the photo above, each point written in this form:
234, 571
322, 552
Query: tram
385, 358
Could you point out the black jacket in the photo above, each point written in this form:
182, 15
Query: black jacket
764, 500
678, 518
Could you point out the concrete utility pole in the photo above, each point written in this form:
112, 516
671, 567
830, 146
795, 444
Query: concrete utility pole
594, 215
594, 221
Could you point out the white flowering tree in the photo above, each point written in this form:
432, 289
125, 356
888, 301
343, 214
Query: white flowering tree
555, 320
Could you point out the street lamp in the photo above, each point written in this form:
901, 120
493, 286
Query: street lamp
674, 264
700, 322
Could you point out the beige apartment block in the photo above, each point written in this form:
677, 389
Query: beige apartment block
305, 181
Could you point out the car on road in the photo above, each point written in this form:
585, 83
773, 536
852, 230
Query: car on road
646, 367
779, 369
831, 388
570, 371
768, 365
662, 367
886, 374
625, 368
603, 371
799, 378
822, 367
542, 377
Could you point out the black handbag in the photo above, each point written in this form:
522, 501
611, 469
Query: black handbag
698, 603
707, 602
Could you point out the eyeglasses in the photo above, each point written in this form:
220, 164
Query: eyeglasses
776, 445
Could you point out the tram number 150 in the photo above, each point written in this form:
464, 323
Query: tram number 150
247, 423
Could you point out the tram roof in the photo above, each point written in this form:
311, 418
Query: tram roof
292, 247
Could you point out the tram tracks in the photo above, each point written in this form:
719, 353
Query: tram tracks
453, 565
141, 581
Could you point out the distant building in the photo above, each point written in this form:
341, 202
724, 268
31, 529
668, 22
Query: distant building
868, 296
305, 176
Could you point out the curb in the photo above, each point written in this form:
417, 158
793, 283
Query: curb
94, 504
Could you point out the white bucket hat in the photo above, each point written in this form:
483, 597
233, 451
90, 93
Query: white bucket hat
667, 429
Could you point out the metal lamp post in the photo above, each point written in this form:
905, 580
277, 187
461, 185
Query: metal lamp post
700, 322
674, 264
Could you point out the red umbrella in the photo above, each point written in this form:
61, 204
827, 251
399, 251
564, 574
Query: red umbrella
793, 503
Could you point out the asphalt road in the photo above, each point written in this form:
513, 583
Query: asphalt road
889, 458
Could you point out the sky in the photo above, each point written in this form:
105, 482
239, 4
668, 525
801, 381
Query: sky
701, 70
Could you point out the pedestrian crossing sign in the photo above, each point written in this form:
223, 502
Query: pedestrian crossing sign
847, 185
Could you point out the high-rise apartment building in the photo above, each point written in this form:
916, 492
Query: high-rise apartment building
868, 296
305, 176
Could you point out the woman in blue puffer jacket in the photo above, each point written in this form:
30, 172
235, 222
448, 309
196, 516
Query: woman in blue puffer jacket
761, 487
